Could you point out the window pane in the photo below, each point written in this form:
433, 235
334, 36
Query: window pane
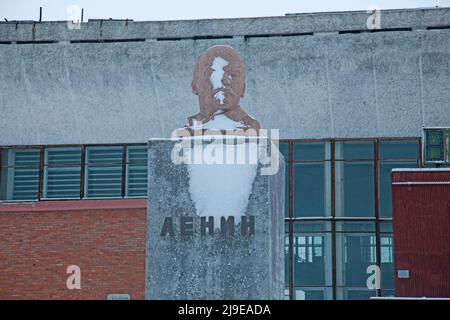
386, 227
387, 261
20, 174
311, 189
286, 293
136, 171
286, 254
355, 293
354, 253
284, 149
434, 145
312, 257
398, 149
307, 151
286, 190
355, 227
355, 193
103, 172
354, 150
62, 172
314, 293
385, 184
312, 227
388, 293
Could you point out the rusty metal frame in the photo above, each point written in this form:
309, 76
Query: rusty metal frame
333, 220
124, 169
291, 225
421, 162
41, 172
83, 169
377, 210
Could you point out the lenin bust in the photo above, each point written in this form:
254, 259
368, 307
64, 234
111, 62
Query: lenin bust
219, 83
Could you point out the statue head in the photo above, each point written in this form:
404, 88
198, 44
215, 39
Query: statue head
219, 80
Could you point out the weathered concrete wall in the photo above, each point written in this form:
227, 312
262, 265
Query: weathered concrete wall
326, 84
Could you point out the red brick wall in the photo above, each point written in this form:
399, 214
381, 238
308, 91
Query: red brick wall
105, 238
421, 217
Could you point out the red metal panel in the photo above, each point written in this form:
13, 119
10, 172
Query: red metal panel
421, 218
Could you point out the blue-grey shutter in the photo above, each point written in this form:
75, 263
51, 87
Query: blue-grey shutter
62, 172
26, 174
103, 172
136, 185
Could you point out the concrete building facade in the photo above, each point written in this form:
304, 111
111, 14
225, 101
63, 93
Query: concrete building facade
327, 74
79, 103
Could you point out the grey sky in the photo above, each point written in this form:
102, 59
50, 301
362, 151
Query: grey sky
191, 9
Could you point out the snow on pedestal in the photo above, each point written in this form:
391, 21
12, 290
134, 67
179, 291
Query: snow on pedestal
214, 231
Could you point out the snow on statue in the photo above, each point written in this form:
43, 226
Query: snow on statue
219, 83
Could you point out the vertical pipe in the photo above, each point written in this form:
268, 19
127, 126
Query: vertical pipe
82, 14
420, 153
333, 220
291, 227
83, 169
377, 211
40, 14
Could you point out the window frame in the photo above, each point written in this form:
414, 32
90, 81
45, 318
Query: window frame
83, 175
290, 219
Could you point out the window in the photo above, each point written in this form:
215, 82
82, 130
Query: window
355, 251
354, 179
435, 145
286, 255
394, 154
348, 236
103, 172
20, 174
73, 172
136, 185
62, 173
313, 293
284, 149
311, 179
355, 293
387, 256
312, 258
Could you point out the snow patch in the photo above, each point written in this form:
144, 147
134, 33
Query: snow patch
219, 122
222, 190
216, 76
220, 96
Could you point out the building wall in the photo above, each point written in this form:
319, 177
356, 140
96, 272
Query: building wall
311, 76
421, 217
39, 240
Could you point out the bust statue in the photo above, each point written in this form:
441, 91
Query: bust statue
219, 83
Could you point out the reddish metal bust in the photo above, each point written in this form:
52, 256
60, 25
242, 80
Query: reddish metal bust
219, 83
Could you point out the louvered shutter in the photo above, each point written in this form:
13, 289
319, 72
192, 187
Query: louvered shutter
136, 185
62, 172
26, 174
103, 172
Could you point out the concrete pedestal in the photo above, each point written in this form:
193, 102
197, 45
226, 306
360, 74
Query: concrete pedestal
193, 253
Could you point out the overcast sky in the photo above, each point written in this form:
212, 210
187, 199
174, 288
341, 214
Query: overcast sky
190, 9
